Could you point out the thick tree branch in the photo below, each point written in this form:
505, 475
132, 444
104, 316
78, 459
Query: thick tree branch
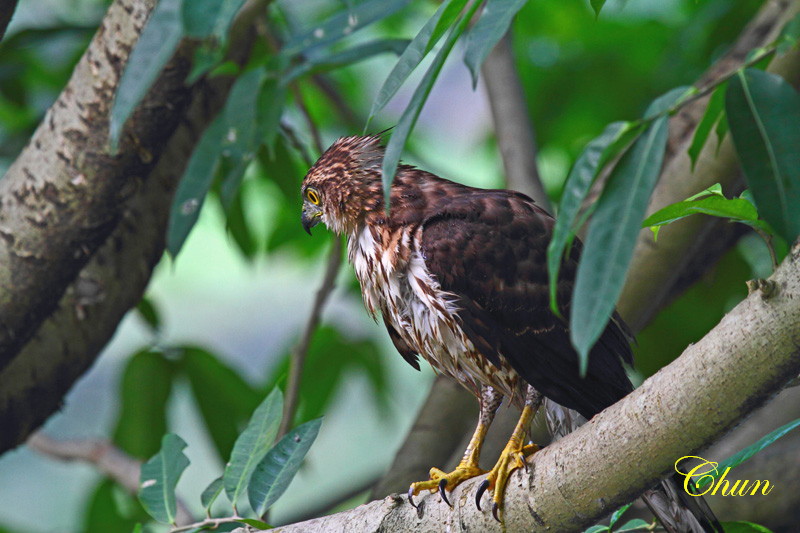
61, 197
515, 135
34, 383
683, 242
746, 359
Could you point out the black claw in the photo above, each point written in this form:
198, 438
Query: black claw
479, 494
442, 485
411, 497
495, 510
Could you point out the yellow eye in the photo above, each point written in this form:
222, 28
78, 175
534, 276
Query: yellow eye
313, 196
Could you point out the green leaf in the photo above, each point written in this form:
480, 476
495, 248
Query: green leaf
273, 474
587, 167
490, 28
744, 527
616, 515
763, 113
239, 229
252, 445
352, 55
156, 44
147, 310
341, 24
258, 524
103, 512
612, 234
227, 411
637, 524
159, 477
417, 49
737, 209
194, 185
409, 117
714, 109
597, 6
211, 493
202, 18
137, 528
146, 386
598, 528
789, 35
745, 454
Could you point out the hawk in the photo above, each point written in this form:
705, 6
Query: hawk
458, 275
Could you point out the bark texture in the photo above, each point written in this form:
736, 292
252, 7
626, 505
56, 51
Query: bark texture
744, 361
61, 197
33, 384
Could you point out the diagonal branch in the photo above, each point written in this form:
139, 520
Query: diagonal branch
515, 135
739, 365
7, 8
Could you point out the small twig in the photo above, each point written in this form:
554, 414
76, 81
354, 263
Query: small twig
211, 523
339, 103
768, 241
291, 135
298, 355
104, 456
298, 98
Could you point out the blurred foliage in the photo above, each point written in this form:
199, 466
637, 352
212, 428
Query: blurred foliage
580, 72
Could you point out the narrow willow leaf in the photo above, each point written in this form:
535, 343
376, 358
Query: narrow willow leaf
419, 46
159, 477
612, 236
637, 524
211, 493
258, 524
234, 135
789, 35
490, 28
409, 117
745, 454
155, 47
352, 55
137, 528
744, 527
147, 310
273, 474
341, 24
194, 185
763, 113
597, 6
202, 18
598, 528
587, 167
252, 445
615, 225
618, 514
714, 109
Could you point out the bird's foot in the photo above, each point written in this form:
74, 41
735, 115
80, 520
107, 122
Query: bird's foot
512, 458
444, 482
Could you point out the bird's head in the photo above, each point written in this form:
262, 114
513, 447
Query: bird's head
344, 185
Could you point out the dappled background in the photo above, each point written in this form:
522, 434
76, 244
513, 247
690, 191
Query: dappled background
241, 289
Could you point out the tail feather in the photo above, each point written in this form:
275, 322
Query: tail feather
679, 512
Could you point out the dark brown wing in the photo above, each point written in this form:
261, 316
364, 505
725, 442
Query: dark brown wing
489, 248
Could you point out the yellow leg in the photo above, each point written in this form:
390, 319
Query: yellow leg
468, 466
512, 457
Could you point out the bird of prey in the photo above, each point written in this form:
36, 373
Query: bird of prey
458, 275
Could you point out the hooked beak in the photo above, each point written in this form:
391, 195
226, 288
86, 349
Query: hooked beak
311, 216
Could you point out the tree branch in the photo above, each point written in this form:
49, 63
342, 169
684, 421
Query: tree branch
746, 359
300, 352
515, 136
33, 384
62, 197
